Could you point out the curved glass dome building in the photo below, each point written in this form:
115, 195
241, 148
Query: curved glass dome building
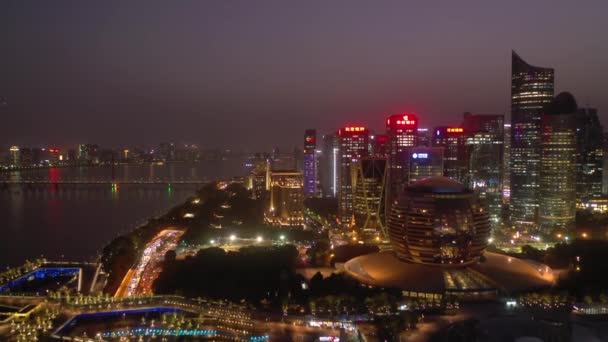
439, 230
439, 221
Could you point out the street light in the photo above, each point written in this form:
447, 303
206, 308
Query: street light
282, 237
212, 242
259, 239
232, 237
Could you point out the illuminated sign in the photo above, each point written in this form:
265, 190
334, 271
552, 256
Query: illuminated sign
354, 129
310, 139
455, 130
406, 120
420, 155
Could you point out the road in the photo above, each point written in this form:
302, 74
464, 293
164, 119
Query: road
138, 280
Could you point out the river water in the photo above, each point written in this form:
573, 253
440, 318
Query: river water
75, 221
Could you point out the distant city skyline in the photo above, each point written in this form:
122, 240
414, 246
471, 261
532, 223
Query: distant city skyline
222, 75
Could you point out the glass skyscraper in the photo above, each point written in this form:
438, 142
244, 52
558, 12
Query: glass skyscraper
589, 154
370, 187
485, 150
353, 146
558, 165
531, 89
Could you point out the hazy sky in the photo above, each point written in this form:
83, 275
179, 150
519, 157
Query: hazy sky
257, 73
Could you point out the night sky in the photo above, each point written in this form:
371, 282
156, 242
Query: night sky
254, 74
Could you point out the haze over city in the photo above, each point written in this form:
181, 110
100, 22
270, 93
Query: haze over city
323, 171
119, 73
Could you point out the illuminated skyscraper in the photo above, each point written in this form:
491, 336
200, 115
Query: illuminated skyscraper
506, 165
286, 199
310, 162
558, 164
259, 177
14, 156
328, 165
531, 89
589, 154
402, 132
353, 146
455, 158
485, 150
370, 187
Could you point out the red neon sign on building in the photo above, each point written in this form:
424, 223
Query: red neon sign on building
408, 120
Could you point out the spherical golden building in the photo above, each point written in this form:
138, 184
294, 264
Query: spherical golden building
439, 230
438, 221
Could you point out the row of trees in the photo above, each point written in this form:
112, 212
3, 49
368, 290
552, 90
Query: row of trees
585, 263
122, 252
266, 276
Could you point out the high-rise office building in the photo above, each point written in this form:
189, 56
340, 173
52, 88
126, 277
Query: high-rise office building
402, 132
379, 144
310, 162
491, 123
353, 146
485, 151
259, 177
329, 165
26, 156
424, 162
424, 137
589, 154
286, 199
558, 164
14, 156
506, 165
370, 187
531, 89
455, 158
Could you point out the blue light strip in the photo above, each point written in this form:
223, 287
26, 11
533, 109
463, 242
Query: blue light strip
40, 274
159, 332
72, 321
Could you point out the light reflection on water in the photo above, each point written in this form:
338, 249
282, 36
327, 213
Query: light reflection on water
75, 221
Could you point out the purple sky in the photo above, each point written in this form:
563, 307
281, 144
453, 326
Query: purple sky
257, 73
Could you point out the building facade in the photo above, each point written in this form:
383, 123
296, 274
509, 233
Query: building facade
286, 207
14, 156
370, 194
506, 165
455, 158
531, 89
439, 221
485, 150
589, 155
423, 162
353, 145
310, 163
558, 165
328, 165
402, 133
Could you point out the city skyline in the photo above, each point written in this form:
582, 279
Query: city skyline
120, 73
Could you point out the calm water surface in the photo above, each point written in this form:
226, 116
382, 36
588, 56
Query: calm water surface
75, 221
